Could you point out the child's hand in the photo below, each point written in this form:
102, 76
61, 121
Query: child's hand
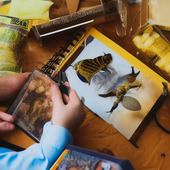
10, 85
68, 111
6, 122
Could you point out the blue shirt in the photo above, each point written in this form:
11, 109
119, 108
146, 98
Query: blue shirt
40, 155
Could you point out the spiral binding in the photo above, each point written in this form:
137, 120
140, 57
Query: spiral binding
58, 57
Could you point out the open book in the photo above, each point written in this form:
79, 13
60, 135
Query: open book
113, 84
74, 157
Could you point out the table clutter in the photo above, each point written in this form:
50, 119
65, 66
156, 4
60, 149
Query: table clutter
136, 26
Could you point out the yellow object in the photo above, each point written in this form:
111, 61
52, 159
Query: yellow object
159, 13
12, 10
57, 163
4, 9
152, 44
36, 22
30, 9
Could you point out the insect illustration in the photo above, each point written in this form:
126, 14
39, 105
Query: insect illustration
121, 90
119, 93
87, 68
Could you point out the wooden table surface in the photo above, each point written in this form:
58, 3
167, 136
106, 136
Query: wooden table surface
154, 149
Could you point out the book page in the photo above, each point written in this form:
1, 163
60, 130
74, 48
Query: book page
112, 83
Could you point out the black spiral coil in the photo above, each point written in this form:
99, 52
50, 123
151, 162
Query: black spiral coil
56, 59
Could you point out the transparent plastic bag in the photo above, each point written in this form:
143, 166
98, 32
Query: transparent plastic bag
154, 47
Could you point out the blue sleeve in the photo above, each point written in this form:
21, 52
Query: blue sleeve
40, 155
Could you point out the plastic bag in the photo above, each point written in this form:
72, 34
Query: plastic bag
155, 48
13, 31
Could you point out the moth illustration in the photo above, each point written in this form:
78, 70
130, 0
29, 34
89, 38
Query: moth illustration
87, 68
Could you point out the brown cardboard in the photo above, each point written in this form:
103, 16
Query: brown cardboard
72, 6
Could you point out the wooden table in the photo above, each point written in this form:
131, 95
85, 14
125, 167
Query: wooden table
95, 134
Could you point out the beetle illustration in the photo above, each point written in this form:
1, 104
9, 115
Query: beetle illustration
87, 68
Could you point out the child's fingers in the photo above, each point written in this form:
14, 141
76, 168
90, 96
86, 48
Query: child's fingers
10, 85
6, 117
73, 96
56, 94
6, 126
67, 84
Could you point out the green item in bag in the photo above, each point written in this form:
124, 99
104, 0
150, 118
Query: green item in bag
13, 32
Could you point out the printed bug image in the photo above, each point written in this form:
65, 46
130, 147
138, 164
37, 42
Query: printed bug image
87, 68
121, 91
